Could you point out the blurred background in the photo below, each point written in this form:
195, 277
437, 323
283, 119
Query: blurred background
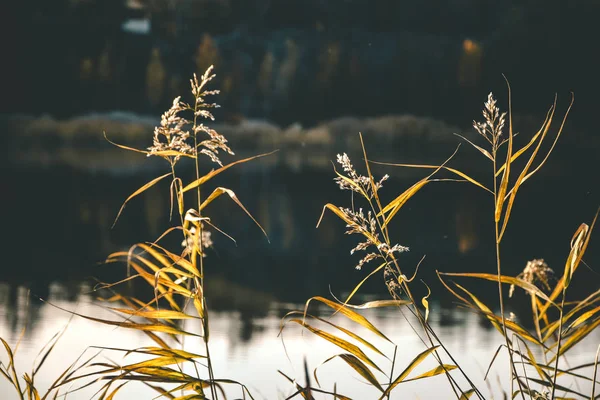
303, 77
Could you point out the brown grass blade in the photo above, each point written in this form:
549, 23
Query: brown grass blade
217, 171
139, 191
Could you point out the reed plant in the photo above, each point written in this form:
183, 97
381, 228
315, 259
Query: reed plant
558, 325
176, 312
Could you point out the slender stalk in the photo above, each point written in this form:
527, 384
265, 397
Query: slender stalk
205, 328
513, 369
560, 321
595, 373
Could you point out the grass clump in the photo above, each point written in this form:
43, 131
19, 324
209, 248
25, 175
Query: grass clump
177, 312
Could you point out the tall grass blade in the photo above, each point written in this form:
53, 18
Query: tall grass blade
137, 192
506, 173
529, 287
412, 365
454, 171
357, 365
11, 365
217, 171
221, 190
352, 315
515, 188
339, 342
481, 149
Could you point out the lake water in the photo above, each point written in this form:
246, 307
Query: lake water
58, 221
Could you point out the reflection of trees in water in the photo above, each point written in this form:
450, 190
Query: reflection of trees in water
22, 307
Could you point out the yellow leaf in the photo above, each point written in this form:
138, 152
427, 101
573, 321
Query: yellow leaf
216, 172
140, 190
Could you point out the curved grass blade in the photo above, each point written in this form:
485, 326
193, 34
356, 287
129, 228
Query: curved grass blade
337, 211
425, 302
481, 149
140, 190
467, 395
352, 315
506, 173
304, 392
221, 190
346, 331
553, 143
412, 365
339, 342
529, 287
433, 372
353, 292
573, 263
528, 145
357, 365
155, 314
515, 188
216, 172
11, 364
454, 171
132, 325
395, 205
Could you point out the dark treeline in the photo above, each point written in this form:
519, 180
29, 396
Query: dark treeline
293, 60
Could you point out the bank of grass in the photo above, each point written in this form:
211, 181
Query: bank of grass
178, 311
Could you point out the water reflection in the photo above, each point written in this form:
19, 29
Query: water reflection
60, 228
250, 349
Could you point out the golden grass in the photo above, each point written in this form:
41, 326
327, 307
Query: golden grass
178, 312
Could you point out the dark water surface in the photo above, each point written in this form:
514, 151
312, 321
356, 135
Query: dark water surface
57, 228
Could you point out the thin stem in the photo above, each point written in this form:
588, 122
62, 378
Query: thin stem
500, 295
560, 321
205, 328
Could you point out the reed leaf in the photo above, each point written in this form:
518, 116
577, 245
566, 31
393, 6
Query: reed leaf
481, 149
139, 191
529, 287
339, 342
352, 315
357, 365
220, 191
506, 174
412, 365
517, 184
346, 331
217, 171
523, 149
